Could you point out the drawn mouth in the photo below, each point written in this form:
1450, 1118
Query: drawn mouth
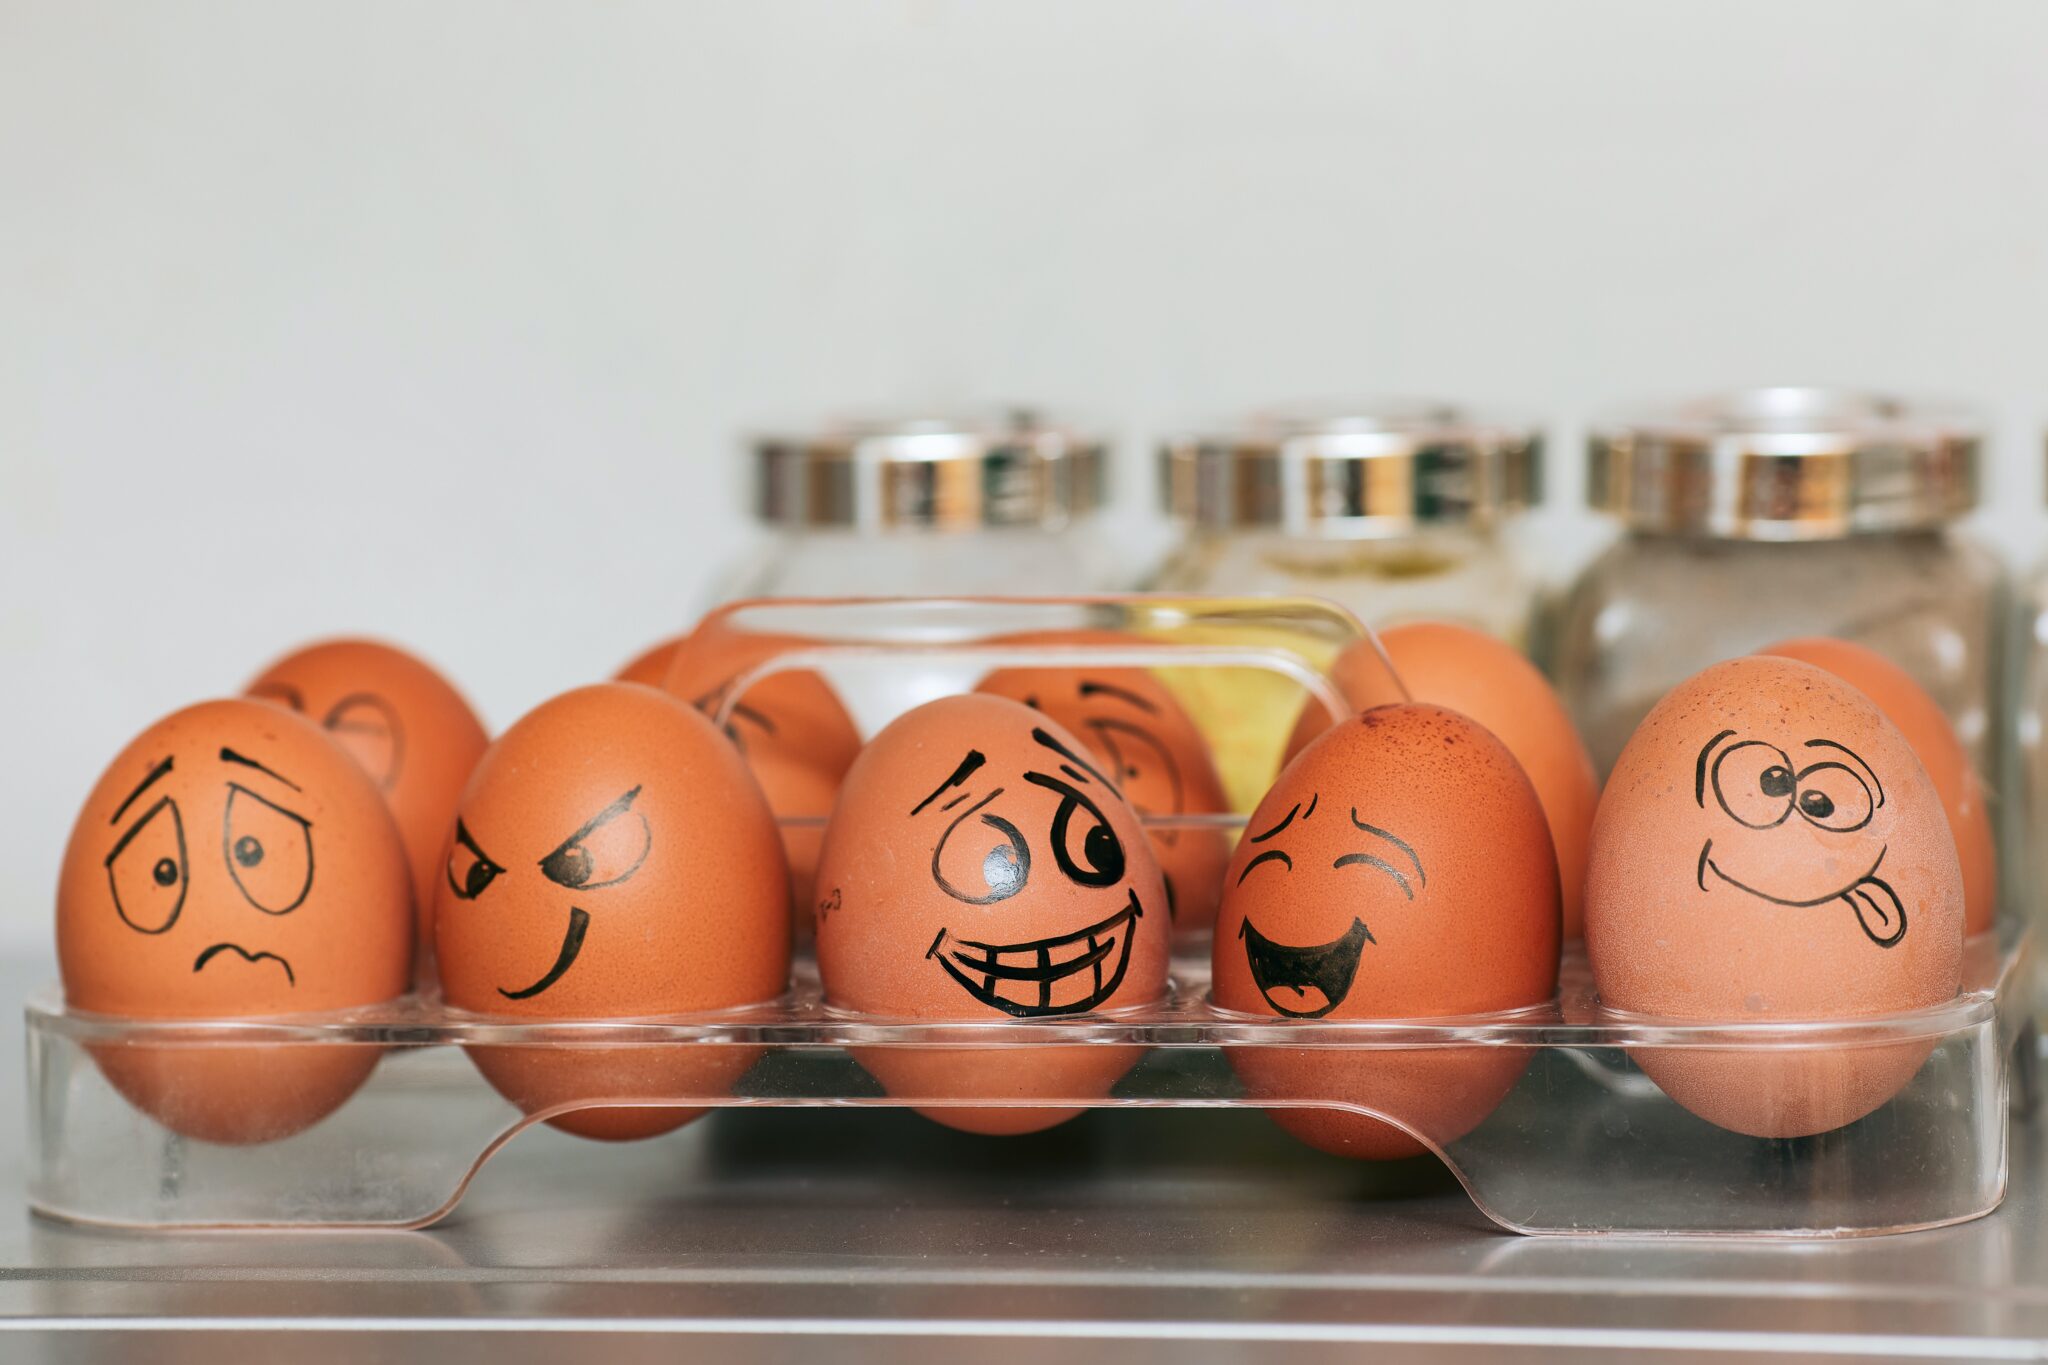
1879, 911
199, 963
1065, 975
572, 944
1326, 969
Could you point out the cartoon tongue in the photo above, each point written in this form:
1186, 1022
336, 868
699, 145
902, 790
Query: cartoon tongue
1878, 910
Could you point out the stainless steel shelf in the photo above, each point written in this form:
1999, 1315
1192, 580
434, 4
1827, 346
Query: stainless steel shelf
1189, 1236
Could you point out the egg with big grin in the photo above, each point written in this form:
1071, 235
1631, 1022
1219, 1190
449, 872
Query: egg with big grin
981, 866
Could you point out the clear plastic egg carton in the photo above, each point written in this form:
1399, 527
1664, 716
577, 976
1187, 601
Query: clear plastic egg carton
1581, 1142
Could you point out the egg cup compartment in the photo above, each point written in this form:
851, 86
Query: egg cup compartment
1581, 1143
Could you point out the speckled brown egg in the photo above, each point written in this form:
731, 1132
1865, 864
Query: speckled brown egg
1488, 680
1400, 868
1940, 751
408, 727
612, 858
1768, 847
791, 727
233, 861
1148, 745
981, 866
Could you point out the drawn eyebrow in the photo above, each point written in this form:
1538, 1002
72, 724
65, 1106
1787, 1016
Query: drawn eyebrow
1271, 855
230, 756
612, 812
1699, 773
975, 758
1398, 842
1830, 744
154, 773
1313, 799
1285, 821
1068, 754
1382, 864
1090, 688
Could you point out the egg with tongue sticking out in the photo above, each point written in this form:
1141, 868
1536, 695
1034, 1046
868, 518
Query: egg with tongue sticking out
980, 866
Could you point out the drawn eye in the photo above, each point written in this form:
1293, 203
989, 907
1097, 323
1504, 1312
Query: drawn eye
1085, 847
1271, 855
1754, 783
605, 852
470, 869
269, 851
146, 870
981, 858
1834, 796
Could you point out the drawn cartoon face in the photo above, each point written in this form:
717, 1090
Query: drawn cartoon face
1400, 866
611, 856
234, 861
1147, 744
986, 862
364, 723
1825, 806
1309, 981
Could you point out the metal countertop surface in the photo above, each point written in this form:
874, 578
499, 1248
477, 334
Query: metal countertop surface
1134, 1236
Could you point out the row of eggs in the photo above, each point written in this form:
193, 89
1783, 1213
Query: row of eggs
1792, 835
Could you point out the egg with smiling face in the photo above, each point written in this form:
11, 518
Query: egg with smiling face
1769, 847
1401, 867
612, 857
234, 861
981, 866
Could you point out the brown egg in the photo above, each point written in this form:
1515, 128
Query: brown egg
411, 731
1940, 751
1768, 847
233, 861
981, 866
650, 665
1400, 868
612, 858
794, 732
1149, 747
1490, 681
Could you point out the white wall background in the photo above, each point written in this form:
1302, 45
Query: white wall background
437, 320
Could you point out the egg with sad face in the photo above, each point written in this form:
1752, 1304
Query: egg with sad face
234, 861
1400, 868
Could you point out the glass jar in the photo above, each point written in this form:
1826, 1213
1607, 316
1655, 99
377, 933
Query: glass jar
1780, 512
1392, 510
999, 503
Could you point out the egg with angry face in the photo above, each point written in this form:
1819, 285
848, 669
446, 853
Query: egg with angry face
234, 861
982, 866
1401, 867
611, 857
1768, 847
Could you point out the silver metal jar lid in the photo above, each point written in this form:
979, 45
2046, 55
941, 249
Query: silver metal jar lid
1786, 464
1352, 473
1009, 468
